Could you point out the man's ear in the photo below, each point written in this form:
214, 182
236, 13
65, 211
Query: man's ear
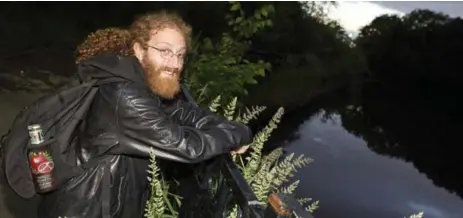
138, 51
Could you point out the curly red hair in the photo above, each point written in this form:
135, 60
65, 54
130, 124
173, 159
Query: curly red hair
121, 41
106, 40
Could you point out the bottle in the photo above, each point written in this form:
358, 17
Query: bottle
41, 161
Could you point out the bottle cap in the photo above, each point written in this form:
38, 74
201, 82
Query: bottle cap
34, 127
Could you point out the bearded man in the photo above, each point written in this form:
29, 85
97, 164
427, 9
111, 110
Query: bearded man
139, 113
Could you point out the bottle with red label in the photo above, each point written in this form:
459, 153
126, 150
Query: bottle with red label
41, 161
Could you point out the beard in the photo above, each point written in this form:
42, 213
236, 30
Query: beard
165, 86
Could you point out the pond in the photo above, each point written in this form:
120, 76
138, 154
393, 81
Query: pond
378, 155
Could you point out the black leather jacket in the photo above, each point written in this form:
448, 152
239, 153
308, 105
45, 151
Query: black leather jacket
126, 122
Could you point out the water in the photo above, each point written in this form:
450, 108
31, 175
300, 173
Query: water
371, 160
350, 179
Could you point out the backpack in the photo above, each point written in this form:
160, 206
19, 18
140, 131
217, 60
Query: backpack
61, 114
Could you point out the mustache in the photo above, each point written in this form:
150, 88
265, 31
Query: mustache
170, 69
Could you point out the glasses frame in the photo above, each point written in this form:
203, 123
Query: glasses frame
168, 54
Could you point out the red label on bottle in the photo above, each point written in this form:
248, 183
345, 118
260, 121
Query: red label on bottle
41, 162
42, 166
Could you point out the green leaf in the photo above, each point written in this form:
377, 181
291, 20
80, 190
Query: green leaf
264, 12
252, 81
269, 22
236, 6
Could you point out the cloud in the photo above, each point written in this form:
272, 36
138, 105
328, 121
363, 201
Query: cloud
454, 9
354, 15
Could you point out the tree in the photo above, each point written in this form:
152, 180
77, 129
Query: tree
414, 49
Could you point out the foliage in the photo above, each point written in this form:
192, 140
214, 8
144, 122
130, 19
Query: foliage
309, 52
265, 173
421, 46
159, 204
318, 9
418, 215
220, 67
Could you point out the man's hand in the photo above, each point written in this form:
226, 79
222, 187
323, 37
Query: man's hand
240, 150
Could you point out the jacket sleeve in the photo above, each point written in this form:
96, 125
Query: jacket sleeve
144, 125
189, 114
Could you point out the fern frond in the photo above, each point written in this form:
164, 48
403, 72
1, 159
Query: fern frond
261, 183
313, 206
290, 188
285, 169
303, 201
250, 114
202, 93
155, 205
255, 158
215, 104
418, 215
266, 163
230, 110
233, 213
272, 158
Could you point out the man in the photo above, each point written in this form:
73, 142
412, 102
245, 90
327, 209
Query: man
141, 112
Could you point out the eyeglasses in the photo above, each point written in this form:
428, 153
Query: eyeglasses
168, 54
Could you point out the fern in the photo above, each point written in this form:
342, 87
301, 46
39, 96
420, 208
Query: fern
264, 173
233, 213
215, 104
286, 169
261, 183
303, 201
258, 143
290, 188
273, 156
418, 215
312, 207
250, 114
155, 206
230, 110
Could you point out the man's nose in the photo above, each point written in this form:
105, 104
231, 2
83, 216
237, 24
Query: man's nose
174, 62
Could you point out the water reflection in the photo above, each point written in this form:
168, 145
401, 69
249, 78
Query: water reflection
350, 179
379, 153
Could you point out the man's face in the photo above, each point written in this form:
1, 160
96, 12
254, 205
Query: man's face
163, 61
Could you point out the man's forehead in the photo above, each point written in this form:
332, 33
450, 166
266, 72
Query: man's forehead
168, 36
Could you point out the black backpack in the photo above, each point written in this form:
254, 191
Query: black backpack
60, 114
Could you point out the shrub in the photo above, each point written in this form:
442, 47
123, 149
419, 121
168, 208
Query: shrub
220, 67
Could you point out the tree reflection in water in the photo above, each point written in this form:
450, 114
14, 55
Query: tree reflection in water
422, 130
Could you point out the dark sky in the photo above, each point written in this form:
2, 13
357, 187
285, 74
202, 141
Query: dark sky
452, 8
